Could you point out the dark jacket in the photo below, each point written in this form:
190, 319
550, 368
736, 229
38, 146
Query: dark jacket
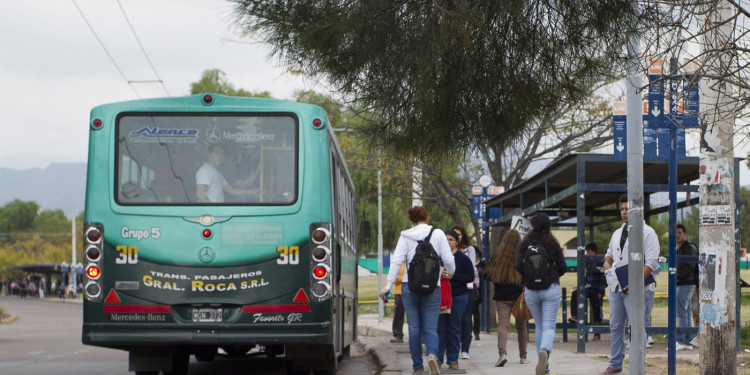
687, 273
555, 252
464, 274
506, 292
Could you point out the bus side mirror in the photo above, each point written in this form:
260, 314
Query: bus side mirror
364, 231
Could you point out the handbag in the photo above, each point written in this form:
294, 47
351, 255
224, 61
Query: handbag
446, 299
521, 309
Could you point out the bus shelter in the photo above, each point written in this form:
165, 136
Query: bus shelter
581, 190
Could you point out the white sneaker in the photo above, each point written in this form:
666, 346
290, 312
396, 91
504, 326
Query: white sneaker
683, 347
465, 355
524, 360
433, 365
649, 340
695, 342
501, 361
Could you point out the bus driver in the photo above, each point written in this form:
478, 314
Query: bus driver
211, 184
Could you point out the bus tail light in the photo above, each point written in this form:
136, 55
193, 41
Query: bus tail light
93, 240
320, 262
93, 272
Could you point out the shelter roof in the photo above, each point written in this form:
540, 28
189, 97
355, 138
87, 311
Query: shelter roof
598, 177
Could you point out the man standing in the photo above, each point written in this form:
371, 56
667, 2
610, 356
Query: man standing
398, 311
687, 279
617, 256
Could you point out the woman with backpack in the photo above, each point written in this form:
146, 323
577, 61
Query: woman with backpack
422, 305
508, 287
541, 262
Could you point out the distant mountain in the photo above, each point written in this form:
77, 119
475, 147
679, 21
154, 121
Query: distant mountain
58, 186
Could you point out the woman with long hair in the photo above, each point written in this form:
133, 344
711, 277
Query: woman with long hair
422, 310
464, 244
508, 287
449, 325
543, 302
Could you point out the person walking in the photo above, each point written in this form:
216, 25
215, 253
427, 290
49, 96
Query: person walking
398, 309
687, 280
596, 284
463, 274
476, 321
617, 256
541, 262
508, 286
422, 310
465, 246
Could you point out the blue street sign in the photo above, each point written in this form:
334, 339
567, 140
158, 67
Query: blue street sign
476, 204
691, 102
681, 152
664, 139
649, 137
619, 125
655, 101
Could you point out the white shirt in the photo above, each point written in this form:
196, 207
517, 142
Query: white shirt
620, 256
407, 246
209, 176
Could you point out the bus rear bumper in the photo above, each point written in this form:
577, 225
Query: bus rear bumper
129, 335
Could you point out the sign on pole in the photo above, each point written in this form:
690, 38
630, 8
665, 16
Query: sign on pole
619, 125
649, 136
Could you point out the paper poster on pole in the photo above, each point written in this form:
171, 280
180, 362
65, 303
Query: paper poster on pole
521, 224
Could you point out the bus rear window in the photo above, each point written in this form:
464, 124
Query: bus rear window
211, 159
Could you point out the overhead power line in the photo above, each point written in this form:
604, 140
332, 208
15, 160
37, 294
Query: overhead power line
142, 50
106, 51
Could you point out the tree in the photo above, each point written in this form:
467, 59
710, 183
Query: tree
443, 76
215, 81
18, 216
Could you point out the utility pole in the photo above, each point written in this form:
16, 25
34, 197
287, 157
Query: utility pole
718, 243
72, 285
381, 306
636, 300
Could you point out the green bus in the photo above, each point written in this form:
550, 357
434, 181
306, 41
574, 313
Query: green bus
218, 225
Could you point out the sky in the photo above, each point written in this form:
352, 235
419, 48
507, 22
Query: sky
53, 70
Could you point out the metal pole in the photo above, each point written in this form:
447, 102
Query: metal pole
73, 279
381, 306
671, 286
635, 211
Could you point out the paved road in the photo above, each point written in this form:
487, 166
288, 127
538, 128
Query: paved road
46, 339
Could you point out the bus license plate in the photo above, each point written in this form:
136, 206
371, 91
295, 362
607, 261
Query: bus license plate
207, 315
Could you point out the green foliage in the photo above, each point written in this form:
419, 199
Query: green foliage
744, 207
34, 236
215, 81
18, 216
396, 175
443, 76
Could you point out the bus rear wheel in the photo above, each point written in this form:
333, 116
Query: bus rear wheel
180, 362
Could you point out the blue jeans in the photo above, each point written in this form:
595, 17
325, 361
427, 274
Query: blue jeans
685, 311
466, 323
618, 319
444, 321
648, 303
422, 312
455, 328
544, 305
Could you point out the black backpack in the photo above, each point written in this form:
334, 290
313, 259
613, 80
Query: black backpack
424, 268
537, 267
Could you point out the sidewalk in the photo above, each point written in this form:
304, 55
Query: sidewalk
395, 358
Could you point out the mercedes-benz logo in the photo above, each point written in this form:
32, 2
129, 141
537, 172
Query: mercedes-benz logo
206, 255
212, 135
